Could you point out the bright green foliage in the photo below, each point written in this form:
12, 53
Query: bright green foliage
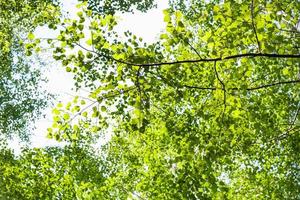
211, 111
51, 173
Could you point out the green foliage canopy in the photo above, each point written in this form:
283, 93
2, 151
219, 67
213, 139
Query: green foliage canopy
217, 96
210, 111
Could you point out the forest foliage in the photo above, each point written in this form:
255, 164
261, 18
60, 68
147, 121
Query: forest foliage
209, 111
21, 97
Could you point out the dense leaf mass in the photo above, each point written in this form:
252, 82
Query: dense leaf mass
210, 111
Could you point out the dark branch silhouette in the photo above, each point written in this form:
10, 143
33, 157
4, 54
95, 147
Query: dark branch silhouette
253, 55
200, 88
253, 25
223, 88
273, 84
249, 89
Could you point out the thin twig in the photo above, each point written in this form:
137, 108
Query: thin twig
288, 131
253, 25
291, 31
223, 88
138, 80
86, 98
166, 81
153, 104
218, 77
291, 128
200, 88
195, 50
296, 114
77, 114
138, 85
270, 85
228, 89
105, 96
80, 112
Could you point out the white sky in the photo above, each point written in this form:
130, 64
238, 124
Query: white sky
146, 25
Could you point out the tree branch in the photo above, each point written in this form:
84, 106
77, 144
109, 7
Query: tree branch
271, 84
267, 55
253, 25
253, 55
195, 50
228, 89
217, 74
104, 96
200, 88
223, 88
249, 89
291, 128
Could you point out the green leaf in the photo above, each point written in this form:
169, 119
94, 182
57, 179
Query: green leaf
66, 116
30, 36
103, 109
68, 69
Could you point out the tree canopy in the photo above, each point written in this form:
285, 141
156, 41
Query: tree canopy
21, 98
210, 111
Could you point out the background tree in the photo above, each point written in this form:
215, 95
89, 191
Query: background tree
21, 98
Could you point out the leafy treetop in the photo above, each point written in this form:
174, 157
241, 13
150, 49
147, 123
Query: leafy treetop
210, 111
